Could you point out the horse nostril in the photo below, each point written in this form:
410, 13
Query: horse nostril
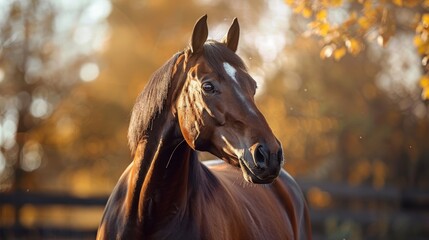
260, 157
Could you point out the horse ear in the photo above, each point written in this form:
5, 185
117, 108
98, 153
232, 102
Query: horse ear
231, 38
199, 34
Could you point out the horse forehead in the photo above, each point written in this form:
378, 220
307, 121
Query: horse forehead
201, 67
231, 71
239, 76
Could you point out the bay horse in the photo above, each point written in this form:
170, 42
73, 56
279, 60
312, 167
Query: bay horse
202, 99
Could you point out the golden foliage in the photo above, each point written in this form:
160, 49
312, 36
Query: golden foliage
322, 15
306, 12
421, 41
354, 46
327, 51
375, 21
339, 53
424, 84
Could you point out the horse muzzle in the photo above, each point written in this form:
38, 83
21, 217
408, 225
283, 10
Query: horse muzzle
260, 165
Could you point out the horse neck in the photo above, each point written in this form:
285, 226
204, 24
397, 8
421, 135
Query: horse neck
163, 174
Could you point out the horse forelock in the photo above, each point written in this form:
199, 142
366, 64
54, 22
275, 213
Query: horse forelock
150, 102
217, 54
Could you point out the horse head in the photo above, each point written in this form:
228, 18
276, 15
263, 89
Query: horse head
216, 109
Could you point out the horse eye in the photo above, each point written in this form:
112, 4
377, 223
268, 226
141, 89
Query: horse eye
208, 87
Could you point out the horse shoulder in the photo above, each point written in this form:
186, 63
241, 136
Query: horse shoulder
113, 223
292, 199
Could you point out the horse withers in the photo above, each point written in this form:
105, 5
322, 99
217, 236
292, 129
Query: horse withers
202, 99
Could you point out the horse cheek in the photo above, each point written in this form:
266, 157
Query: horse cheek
220, 115
187, 124
216, 112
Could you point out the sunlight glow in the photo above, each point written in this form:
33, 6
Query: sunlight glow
89, 72
31, 156
9, 128
82, 35
39, 108
402, 68
99, 9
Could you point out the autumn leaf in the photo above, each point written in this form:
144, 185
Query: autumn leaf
425, 20
364, 23
425, 94
339, 53
353, 46
418, 41
321, 15
324, 29
384, 38
381, 41
425, 60
351, 20
327, 51
299, 8
424, 82
420, 28
306, 12
313, 25
422, 49
372, 14
424, 36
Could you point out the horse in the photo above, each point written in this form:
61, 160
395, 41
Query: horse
202, 99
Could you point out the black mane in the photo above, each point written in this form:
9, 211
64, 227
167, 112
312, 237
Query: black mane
150, 102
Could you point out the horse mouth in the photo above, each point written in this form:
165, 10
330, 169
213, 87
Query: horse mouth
232, 161
250, 176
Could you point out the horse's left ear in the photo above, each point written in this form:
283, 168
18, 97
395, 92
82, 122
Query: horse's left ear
199, 34
231, 38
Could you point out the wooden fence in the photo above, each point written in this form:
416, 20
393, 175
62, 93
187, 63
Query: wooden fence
363, 212
20, 199
352, 213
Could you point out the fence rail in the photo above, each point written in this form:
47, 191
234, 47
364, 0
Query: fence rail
407, 199
19, 199
48, 199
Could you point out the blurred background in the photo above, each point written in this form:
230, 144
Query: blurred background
343, 84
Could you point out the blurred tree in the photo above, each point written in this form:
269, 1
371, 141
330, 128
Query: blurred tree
344, 26
41, 59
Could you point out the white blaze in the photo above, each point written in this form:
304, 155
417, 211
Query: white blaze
230, 70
